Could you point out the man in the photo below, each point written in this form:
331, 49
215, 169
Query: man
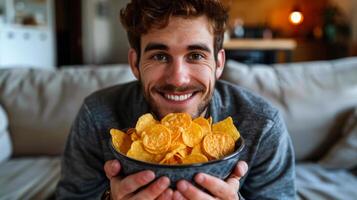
176, 54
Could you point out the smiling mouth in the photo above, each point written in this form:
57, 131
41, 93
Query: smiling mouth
175, 94
178, 98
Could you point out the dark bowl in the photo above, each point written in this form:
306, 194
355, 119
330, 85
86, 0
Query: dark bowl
221, 168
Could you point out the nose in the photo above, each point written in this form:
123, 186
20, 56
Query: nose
178, 73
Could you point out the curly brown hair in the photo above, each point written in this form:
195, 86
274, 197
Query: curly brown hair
141, 15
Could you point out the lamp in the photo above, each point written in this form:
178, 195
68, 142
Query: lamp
296, 17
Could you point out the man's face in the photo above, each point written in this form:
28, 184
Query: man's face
177, 67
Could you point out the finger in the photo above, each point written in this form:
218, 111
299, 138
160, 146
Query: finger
233, 183
240, 170
154, 189
217, 187
178, 196
111, 168
191, 192
167, 194
123, 187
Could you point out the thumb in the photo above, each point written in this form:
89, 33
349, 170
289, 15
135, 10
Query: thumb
239, 171
112, 168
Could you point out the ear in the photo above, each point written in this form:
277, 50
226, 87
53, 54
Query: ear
132, 57
221, 60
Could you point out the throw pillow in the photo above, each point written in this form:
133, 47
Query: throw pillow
344, 153
5, 143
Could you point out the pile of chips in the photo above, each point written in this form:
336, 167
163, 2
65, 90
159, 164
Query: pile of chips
176, 139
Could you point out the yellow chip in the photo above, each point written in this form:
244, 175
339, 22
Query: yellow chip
175, 155
226, 126
145, 121
197, 149
195, 158
134, 136
138, 152
181, 150
121, 141
210, 121
171, 160
177, 142
176, 139
218, 145
157, 139
205, 125
177, 123
193, 135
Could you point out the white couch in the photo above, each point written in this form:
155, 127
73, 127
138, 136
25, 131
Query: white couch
317, 100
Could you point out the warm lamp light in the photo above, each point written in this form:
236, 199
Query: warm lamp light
296, 17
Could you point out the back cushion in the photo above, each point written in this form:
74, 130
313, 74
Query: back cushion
312, 96
42, 104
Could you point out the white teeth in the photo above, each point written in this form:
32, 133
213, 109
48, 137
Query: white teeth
178, 97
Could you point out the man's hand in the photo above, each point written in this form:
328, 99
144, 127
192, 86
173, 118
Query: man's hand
220, 189
127, 187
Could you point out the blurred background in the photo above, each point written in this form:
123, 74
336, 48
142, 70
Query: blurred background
58, 33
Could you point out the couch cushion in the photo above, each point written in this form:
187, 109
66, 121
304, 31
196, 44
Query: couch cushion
344, 153
5, 143
42, 104
30, 178
316, 182
311, 95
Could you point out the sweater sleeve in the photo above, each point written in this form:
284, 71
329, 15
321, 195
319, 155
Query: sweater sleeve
272, 172
82, 175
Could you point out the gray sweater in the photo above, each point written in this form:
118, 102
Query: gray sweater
268, 150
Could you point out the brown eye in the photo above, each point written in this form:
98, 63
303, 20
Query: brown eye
195, 56
160, 57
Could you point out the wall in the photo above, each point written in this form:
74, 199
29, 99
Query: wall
104, 39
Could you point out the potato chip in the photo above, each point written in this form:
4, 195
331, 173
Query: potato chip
121, 140
218, 145
205, 125
181, 150
138, 152
197, 149
134, 136
131, 130
157, 139
193, 135
175, 155
177, 142
177, 123
176, 139
145, 121
195, 158
210, 120
171, 160
226, 126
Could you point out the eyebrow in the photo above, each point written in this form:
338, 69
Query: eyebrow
155, 46
159, 46
199, 46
